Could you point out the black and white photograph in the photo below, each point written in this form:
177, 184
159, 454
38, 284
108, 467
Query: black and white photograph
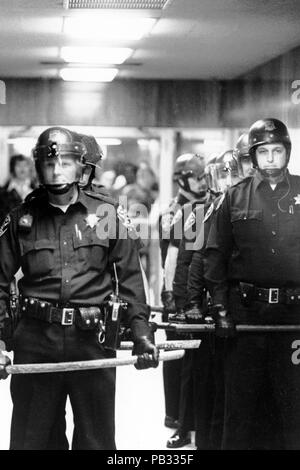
150, 228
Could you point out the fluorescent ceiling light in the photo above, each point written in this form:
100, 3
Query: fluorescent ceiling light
96, 55
108, 27
88, 75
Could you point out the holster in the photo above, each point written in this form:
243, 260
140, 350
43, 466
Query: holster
12, 317
246, 292
89, 318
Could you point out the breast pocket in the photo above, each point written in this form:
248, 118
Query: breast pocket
37, 257
91, 250
247, 225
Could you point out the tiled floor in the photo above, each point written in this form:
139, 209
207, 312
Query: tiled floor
139, 410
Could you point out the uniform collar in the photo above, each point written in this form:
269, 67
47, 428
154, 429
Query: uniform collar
81, 199
258, 180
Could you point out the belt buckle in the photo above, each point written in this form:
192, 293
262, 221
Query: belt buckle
67, 316
273, 296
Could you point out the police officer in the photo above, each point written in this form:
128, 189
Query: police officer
92, 160
70, 265
189, 172
252, 269
197, 385
242, 156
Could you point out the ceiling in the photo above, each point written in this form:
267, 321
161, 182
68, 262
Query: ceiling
192, 39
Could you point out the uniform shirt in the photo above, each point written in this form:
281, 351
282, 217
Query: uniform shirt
255, 236
166, 232
67, 259
187, 247
196, 282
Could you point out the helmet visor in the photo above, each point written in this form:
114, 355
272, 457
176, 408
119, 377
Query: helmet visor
61, 170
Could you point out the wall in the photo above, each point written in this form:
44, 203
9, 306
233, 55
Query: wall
266, 91
135, 103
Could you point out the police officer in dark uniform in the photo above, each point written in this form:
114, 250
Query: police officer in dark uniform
190, 175
197, 385
186, 166
252, 269
72, 246
242, 156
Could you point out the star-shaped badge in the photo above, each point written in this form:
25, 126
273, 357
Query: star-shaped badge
92, 220
297, 199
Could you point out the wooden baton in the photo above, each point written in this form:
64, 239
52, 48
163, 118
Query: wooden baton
168, 345
204, 328
85, 365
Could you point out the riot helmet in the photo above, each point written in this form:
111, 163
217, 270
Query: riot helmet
55, 146
222, 172
191, 165
268, 131
242, 156
92, 159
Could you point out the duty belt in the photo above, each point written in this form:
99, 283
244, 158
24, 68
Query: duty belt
67, 316
272, 295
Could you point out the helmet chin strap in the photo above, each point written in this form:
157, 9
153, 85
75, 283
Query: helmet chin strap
199, 195
58, 189
273, 173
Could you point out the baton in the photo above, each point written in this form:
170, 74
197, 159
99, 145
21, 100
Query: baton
85, 365
204, 328
156, 308
168, 345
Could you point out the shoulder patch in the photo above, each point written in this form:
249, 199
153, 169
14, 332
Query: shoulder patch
124, 219
177, 217
219, 202
25, 222
5, 225
209, 211
189, 221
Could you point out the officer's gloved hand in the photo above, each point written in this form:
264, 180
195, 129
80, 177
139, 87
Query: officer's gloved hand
224, 323
178, 317
4, 361
194, 313
147, 353
168, 300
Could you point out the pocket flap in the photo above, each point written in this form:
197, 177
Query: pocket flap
251, 214
34, 245
89, 240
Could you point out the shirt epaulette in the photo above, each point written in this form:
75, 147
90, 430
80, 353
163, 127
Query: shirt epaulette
102, 197
243, 181
36, 194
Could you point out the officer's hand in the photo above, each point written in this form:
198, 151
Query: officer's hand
224, 323
4, 361
178, 317
147, 353
168, 301
194, 314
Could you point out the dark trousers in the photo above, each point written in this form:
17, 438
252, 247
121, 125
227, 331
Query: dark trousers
38, 399
171, 376
218, 392
260, 369
197, 393
58, 439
